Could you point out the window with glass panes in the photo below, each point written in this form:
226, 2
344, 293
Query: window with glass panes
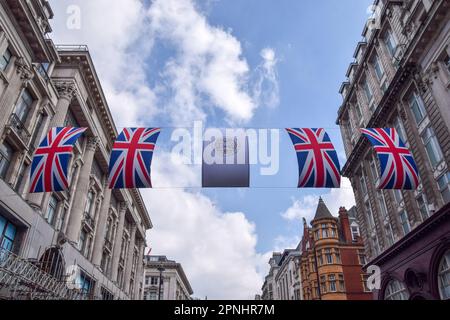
358, 112
355, 232
423, 206
362, 257
6, 156
404, 221
323, 284
51, 209
324, 228
367, 90
5, 59
389, 234
382, 203
89, 203
398, 125
362, 181
154, 281
390, 42
23, 105
86, 284
432, 147
337, 255
444, 276
332, 282
398, 196
369, 213
8, 233
328, 256
396, 290
379, 71
444, 186
417, 107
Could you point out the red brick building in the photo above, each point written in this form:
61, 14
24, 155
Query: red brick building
332, 257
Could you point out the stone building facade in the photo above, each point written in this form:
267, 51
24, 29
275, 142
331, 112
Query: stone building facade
287, 279
400, 78
332, 256
269, 288
98, 230
165, 280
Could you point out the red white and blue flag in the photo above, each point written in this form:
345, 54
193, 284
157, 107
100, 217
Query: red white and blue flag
51, 160
131, 158
317, 158
398, 168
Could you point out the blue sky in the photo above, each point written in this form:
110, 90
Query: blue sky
167, 63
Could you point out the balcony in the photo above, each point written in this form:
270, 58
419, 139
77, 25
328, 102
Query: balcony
18, 128
89, 221
108, 244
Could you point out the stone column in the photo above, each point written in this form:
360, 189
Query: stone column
139, 277
76, 214
18, 81
66, 91
118, 241
129, 259
99, 239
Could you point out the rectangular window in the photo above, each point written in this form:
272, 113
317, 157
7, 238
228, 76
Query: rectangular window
382, 203
391, 43
332, 282
389, 234
370, 219
398, 125
4, 59
37, 129
378, 67
328, 256
404, 222
23, 105
398, 196
362, 257
86, 284
51, 210
432, 147
423, 206
444, 187
373, 170
367, 90
355, 233
417, 107
362, 181
7, 234
358, 112
154, 281
89, 202
6, 155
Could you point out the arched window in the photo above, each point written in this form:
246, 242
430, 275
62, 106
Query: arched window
444, 276
395, 290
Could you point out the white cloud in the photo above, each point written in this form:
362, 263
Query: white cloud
306, 207
266, 89
207, 64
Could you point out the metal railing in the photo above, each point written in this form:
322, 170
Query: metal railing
72, 47
21, 279
89, 221
19, 128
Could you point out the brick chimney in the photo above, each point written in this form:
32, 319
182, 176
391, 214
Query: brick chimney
345, 225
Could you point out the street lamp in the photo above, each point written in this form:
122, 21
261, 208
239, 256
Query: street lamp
160, 269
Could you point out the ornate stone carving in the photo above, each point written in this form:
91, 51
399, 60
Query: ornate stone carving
66, 90
122, 206
23, 70
93, 143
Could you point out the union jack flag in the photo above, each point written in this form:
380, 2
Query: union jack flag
398, 169
51, 160
317, 159
131, 157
